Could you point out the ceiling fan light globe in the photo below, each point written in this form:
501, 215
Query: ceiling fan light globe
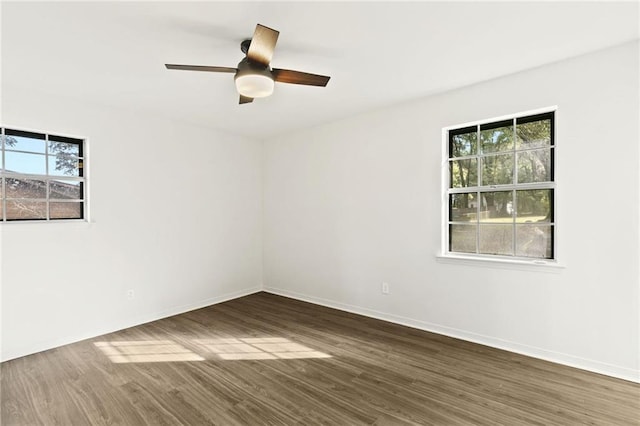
254, 85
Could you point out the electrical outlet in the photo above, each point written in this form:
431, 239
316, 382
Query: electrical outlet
385, 288
131, 294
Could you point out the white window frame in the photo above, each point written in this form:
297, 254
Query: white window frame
478, 259
46, 177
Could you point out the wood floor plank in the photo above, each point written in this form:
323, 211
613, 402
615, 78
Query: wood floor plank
269, 360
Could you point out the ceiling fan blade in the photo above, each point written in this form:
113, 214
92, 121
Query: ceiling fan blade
200, 68
245, 100
298, 77
262, 45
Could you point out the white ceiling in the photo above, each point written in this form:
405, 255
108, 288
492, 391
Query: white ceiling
377, 54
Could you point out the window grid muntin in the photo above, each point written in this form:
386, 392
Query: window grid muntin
513, 187
47, 178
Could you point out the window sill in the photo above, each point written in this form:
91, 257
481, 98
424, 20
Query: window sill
502, 263
65, 222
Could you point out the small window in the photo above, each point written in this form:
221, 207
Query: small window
42, 176
501, 189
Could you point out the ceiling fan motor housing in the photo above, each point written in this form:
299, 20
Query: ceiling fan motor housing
253, 79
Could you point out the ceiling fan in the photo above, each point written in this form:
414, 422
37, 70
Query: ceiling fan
253, 76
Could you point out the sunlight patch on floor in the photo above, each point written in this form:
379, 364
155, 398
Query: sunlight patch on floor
258, 348
146, 351
249, 348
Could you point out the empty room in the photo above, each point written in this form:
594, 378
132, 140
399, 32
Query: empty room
338, 213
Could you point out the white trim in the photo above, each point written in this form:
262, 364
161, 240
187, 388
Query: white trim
142, 319
534, 265
87, 180
52, 222
444, 199
501, 118
557, 189
531, 351
44, 132
3, 190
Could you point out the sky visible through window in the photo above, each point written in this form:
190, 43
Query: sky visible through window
27, 156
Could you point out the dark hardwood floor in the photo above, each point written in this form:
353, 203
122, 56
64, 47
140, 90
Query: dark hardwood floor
269, 360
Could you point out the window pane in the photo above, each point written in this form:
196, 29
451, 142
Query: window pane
463, 144
62, 165
63, 148
463, 173
497, 169
61, 189
496, 239
462, 238
534, 206
463, 207
496, 137
26, 188
70, 210
21, 209
533, 134
534, 166
21, 143
496, 207
534, 241
506, 156
25, 163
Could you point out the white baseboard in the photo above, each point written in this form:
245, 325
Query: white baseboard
547, 355
54, 343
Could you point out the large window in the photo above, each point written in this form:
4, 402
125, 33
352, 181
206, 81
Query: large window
501, 188
42, 176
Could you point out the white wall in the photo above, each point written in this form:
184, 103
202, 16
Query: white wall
357, 202
175, 215
346, 206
